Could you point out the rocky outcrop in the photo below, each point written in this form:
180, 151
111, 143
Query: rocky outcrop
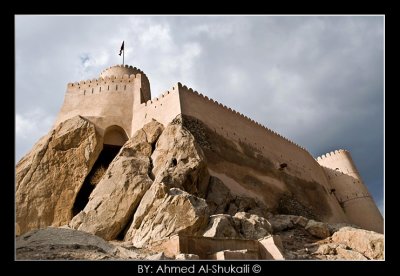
68, 244
242, 226
164, 212
49, 177
317, 229
252, 227
174, 203
156, 191
221, 226
179, 162
117, 195
368, 243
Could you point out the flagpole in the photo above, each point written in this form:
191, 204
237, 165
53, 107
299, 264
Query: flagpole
123, 56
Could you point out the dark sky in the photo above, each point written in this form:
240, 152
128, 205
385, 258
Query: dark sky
318, 81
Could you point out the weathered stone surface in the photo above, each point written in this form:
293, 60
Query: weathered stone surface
334, 227
218, 196
183, 256
252, 226
153, 130
61, 236
49, 177
157, 257
221, 226
179, 162
301, 221
272, 248
317, 229
116, 196
282, 222
368, 243
344, 254
164, 212
172, 205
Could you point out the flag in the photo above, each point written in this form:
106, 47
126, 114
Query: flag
122, 48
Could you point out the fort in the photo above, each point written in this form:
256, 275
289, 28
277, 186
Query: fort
119, 103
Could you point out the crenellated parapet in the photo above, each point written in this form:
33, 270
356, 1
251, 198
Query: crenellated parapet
158, 99
120, 70
97, 86
185, 89
331, 154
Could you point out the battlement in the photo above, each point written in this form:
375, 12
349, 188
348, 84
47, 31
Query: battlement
331, 154
185, 89
120, 70
155, 100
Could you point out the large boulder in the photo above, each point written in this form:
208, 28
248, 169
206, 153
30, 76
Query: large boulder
164, 212
49, 177
368, 243
252, 226
241, 226
221, 226
179, 162
317, 229
112, 203
174, 203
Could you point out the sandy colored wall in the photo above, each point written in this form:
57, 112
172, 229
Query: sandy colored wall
163, 109
105, 102
350, 190
238, 128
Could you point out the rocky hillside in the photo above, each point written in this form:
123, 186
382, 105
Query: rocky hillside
158, 186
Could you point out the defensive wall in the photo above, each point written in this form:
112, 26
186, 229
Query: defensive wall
121, 98
350, 190
109, 100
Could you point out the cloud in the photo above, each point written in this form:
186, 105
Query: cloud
29, 127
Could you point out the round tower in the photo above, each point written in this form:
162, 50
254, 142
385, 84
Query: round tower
120, 71
350, 190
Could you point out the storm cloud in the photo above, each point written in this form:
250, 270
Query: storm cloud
318, 81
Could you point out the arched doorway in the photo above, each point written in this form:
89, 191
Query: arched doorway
115, 135
114, 138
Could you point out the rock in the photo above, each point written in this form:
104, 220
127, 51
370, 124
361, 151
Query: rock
368, 243
164, 212
326, 249
61, 236
242, 225
334, 227
179, 162
153, 130
218, 196
252, 226
183, 256
301, 221
282, 222
117, 195
272, 248
124, 253
157, 257
49, 177
62, 243
221, 226
344, 254
317, 229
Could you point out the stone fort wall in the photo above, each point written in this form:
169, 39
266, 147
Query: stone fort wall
124, 101
238, 128
105, 101
350, 190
